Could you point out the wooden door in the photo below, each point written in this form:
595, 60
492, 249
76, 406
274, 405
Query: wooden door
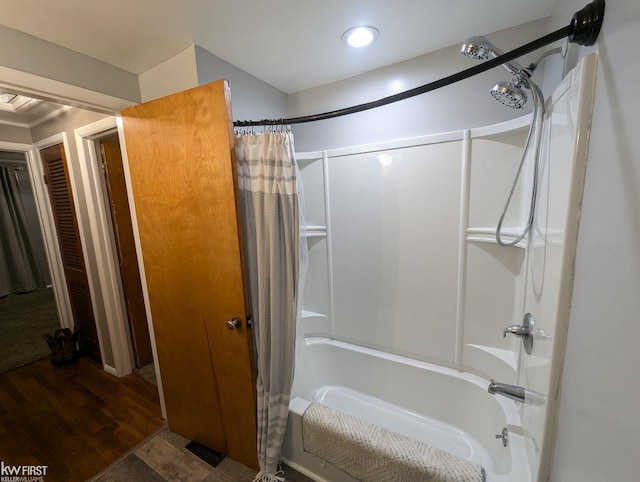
57, 179
182, 163
127, 257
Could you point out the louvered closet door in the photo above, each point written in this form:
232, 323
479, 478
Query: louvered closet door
59, 187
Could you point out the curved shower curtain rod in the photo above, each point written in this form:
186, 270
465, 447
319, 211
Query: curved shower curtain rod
584, 29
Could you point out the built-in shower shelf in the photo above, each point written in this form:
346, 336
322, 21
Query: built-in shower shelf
311, 314
503, 128
488, 235
508, 357
316, 231
306, 158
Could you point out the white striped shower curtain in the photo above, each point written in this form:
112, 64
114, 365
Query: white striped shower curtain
271, 220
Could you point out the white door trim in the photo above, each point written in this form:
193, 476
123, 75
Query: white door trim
100, 227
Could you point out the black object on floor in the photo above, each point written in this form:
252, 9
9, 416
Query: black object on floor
210, 456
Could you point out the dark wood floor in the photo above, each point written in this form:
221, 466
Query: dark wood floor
75, 419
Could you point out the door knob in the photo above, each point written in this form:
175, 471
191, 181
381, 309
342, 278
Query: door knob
234, 323
524, 331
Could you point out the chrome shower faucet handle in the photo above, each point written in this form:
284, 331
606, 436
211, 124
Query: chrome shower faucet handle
524, 331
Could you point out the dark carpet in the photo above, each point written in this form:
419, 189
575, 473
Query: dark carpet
23, 320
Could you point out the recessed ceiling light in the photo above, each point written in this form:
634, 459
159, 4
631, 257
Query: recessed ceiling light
7, 98
360, 36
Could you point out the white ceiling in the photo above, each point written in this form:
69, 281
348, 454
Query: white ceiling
290, 44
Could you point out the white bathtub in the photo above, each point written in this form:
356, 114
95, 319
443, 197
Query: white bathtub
439, 406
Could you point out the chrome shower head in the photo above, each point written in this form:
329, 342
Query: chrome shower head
477, 47
509, 94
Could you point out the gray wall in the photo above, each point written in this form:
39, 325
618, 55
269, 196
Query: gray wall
66, 122
251, 98
25, 53
459, 106
599, 426
20, 135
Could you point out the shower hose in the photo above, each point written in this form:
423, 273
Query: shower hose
533, 142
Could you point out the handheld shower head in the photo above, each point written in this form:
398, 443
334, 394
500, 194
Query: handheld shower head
509, 94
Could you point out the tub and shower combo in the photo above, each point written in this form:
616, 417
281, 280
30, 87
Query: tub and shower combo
414, 319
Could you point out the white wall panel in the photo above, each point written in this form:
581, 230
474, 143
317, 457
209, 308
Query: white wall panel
394, 236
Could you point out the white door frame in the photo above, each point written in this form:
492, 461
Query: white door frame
100, 225
106, 278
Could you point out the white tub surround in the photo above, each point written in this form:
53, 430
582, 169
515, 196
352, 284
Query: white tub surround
408, 293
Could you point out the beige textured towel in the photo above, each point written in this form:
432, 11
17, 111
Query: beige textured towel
374, 454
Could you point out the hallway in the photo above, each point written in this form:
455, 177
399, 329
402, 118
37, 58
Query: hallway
25, 317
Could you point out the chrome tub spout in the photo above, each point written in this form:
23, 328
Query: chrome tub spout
510, 391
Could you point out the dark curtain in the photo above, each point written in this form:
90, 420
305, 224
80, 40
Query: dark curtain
19, 270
